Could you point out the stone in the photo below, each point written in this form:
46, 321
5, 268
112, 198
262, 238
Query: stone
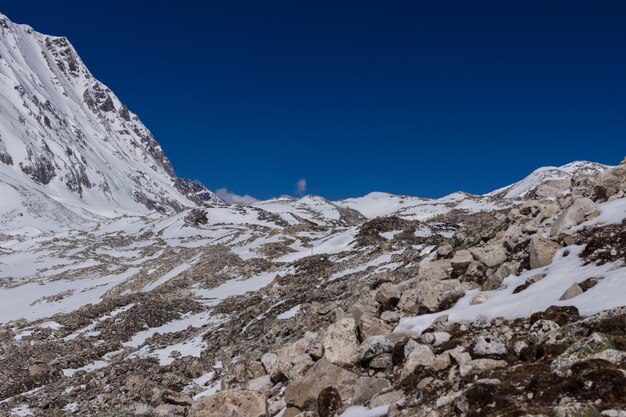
540, 330
477, 366
581, 209
434, 270
478, 299
374, 346
596, 346
419, 356
387, 295
367, 387
169, 410
328, 402
292, 360
369, 325
432, 296
303, 393
490, 255
340, 342
573, 291
576, 410
231, 403
445, 250
261, 384
442, 361
386, 398
390, 316
541, 251
435, 338
460, 261
384, 361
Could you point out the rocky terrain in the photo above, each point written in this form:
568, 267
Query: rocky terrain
511, 303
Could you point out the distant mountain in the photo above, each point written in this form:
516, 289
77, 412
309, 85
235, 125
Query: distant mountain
66, 138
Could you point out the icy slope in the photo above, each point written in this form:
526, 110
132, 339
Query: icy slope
66, 135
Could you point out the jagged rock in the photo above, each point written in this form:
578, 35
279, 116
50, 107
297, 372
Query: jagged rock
613, 180
541, 251
374, 346
231, 403
366, 388
292, 360
432, 296
540, 330
388, 296
177, 398
445, 251
460, 261
390, 316
386, 398
490, 255
303, 393
435, 338
596, 346
442, 361
571, 292
434, 270
576, 410
581, 209
340, 342
371, 326
420, 356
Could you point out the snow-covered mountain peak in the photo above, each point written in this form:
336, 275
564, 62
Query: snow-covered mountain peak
65, 136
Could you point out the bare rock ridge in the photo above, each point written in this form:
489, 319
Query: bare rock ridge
121, 296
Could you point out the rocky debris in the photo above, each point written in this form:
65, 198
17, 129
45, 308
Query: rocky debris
340, 342
302, 394
431, 296
581, 209
596, 346
230, 403
490, 255
540, 330
541, 251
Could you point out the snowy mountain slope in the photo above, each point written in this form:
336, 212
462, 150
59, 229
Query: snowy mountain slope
547, 174
65, 134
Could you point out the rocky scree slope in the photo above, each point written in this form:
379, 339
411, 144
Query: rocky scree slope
480, 306
69, 148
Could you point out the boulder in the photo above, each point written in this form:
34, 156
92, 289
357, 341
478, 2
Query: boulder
432, 296
576, 410
490, 255
573, 291
231, 403
596, 346
541, 251
367, 387
303, 393
420, 356
434, 270
460, 261
581, 209
478, 299
386, 398
341, 343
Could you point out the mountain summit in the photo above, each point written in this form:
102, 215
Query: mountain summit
66, 138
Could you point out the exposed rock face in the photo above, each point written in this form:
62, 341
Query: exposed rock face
541, 251
581, 209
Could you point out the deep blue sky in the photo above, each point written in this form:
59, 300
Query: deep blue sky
415, 97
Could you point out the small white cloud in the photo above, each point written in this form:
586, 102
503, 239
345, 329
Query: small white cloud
301, 186
232, 198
